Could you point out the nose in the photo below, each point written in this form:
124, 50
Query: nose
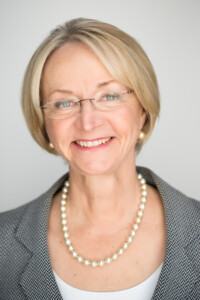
89, 117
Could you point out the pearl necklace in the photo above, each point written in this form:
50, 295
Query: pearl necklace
125, 245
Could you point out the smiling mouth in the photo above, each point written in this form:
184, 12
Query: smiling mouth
95, 143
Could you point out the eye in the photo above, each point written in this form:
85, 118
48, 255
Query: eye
111, 97
64, 104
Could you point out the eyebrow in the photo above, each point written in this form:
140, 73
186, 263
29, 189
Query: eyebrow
100, 84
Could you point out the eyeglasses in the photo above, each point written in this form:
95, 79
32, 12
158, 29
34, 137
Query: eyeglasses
103, 101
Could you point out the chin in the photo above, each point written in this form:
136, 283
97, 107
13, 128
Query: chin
95, 169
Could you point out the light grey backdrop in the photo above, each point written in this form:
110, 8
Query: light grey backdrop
169, 32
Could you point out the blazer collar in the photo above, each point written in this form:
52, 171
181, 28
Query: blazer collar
38, 281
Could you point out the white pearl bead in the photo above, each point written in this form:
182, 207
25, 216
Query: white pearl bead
67, 183
143, 199
142, 206
64, 222
108, 260
64, 196
94, 264
114, 256
63, 202
144, 187
121, 251
68, 241
142, 181
63, 215
62, 208
135, 227
138, 220
71, 248
133, 232
130, 239
144, 193
140, 213
101, 263
65, 190
125, 246
74, 253
66, 235
139, 176
86, 262
65, 228
80, 259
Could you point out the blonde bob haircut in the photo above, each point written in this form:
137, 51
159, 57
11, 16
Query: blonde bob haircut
120, 53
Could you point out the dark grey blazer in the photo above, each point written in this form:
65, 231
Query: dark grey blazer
25, 268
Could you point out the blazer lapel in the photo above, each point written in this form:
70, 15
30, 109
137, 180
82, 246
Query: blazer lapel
37, 280
178, 274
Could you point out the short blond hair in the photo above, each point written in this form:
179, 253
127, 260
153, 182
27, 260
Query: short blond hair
120, 53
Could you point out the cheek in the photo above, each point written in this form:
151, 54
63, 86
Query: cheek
57, 130
50, 128
130, 121
136, 117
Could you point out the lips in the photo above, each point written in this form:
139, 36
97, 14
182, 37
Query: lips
92, 144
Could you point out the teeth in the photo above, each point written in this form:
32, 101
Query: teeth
92, 143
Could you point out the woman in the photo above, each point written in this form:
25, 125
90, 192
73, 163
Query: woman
107, 228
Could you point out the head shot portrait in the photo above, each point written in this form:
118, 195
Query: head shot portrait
108, 228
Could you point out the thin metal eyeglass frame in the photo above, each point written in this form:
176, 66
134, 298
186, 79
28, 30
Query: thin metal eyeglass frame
45, 106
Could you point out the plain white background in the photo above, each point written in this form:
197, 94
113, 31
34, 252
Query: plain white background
168, 30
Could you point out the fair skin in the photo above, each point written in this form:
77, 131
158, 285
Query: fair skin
104, 189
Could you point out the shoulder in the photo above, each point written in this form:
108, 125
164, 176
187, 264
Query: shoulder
180, 211
11, 218
32, 211
166, 190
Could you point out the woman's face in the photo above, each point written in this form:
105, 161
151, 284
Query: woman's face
76, 68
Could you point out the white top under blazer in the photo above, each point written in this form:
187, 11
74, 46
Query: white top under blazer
142, 291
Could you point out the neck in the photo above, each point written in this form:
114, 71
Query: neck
103, 201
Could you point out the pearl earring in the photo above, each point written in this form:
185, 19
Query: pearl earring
141, 135
51, 145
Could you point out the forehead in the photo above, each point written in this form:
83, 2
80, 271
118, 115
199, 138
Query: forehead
73, 66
